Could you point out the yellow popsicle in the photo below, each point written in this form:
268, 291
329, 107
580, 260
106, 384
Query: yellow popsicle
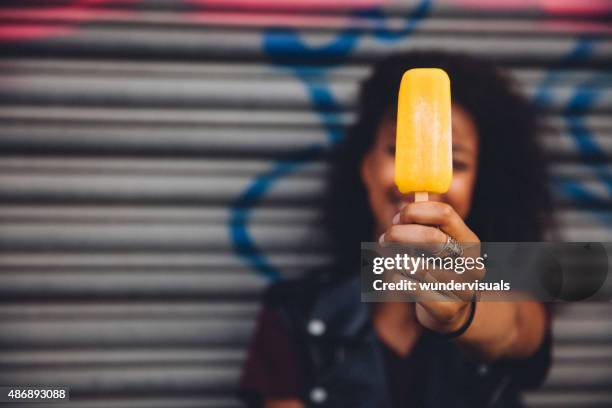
423, 149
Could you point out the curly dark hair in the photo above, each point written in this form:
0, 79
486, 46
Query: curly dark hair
511, 198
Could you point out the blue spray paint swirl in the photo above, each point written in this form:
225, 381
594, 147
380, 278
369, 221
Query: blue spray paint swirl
582, 100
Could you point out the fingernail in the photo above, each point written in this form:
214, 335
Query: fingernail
381, 240
396, 219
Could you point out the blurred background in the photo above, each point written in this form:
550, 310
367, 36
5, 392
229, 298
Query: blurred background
162, 161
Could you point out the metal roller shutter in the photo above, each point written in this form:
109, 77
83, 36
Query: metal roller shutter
148, 145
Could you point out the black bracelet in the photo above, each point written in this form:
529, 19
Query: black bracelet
466, 325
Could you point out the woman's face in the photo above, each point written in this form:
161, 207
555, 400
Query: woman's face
377, 170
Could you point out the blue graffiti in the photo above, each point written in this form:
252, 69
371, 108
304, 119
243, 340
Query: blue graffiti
288, 52
582, 100
285, 48
241, 210
384, 33
582, 51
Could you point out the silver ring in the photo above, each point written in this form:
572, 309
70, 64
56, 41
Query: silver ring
451, 248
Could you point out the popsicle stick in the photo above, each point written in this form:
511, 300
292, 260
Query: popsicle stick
421, 196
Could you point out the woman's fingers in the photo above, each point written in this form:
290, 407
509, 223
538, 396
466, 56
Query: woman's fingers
413, 234
432, 223
437, 214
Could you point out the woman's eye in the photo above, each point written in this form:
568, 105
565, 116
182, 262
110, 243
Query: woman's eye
391, 150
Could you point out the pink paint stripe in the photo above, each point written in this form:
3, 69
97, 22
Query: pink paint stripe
552, 7
78, 11
20, 32
78, 14
289, 4
270, 19
574, 7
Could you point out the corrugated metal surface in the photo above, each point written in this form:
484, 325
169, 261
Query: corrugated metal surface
156, 169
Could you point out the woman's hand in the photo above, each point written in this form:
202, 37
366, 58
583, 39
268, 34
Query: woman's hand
500, 329
432, 222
